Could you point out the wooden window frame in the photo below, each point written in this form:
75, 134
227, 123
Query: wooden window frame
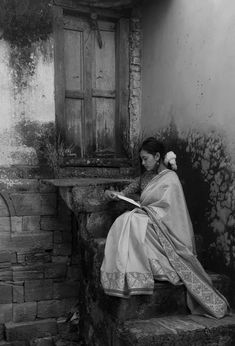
122, 83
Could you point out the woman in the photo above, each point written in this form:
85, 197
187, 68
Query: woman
156, 241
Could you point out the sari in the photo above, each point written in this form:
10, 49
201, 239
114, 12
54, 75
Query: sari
156, 242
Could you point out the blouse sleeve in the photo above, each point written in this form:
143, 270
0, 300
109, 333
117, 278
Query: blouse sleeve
133, 188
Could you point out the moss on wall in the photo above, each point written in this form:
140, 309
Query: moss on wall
25, 24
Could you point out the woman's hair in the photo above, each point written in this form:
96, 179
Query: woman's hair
153, 146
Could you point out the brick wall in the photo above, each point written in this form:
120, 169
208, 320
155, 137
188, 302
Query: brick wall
38, 272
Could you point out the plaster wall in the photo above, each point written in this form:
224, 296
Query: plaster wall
189, 65
27, 96
188, 89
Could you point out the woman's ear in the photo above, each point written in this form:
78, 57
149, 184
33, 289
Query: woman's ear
157, 157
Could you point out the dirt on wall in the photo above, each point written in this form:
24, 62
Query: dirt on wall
25, 24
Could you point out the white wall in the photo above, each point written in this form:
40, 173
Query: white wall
189, 65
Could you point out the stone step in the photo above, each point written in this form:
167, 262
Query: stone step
166, 298
26, 331
177, 330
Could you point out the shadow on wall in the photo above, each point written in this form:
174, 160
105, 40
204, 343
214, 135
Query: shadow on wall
205, 170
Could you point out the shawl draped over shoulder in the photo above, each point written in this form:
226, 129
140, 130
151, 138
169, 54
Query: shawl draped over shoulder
156, 242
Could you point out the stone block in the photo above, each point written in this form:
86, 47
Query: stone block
5, 313
27, 203
24, 241
31, 223
24, 312
48, 341
36, 290
18, 294
6, 275
51, 308
5, 294
60, 259
23, 273
49, 204
30, 330
52, 223
17, 224
65, 290
37, 257
57, 238
5, 257
55, 271
73, 273
64, 249
5, 224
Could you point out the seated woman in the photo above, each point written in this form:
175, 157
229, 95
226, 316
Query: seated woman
156, 241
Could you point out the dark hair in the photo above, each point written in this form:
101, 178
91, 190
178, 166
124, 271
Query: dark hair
153, 146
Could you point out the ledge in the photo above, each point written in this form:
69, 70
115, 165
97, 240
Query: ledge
72, 182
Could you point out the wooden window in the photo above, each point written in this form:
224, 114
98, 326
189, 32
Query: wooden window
92, 82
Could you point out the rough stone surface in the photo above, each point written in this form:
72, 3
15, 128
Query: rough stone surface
30, 330
178, 330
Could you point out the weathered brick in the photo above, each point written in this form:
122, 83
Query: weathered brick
5, 257
23, 273
24, 312
36, 240
27, 204
48, 204
48, 341
31, 223
6, 275
60, 259
52, 223
51, 308
38, 290
5, 224
30, 330
57, 237
13, 257
73, 273
55, 271
37, 257
64, 249
5, 313
5, 294
18, 294
55, 308
17, 224
65, 290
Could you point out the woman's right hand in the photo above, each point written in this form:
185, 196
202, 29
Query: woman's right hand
111, 195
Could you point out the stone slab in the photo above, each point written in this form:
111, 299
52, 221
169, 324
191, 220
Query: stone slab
30, 330
24, 312
178, 330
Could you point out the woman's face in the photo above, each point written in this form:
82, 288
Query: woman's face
148, 160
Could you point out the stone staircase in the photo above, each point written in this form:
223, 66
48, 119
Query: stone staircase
163, 318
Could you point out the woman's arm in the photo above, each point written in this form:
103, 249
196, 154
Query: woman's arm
132, 189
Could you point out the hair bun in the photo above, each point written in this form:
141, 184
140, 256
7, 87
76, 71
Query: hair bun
170, 159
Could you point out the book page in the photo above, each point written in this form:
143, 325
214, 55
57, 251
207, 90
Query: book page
129, 200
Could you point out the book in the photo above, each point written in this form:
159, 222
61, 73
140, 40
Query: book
129, 200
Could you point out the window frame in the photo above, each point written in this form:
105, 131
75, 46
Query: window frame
122, 119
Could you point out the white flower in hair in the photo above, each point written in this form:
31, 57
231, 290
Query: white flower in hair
170, 158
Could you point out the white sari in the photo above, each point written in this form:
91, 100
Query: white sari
156, 242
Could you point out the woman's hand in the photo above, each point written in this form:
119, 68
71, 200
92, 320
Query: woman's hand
111, 195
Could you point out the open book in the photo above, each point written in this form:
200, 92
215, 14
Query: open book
129, 200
